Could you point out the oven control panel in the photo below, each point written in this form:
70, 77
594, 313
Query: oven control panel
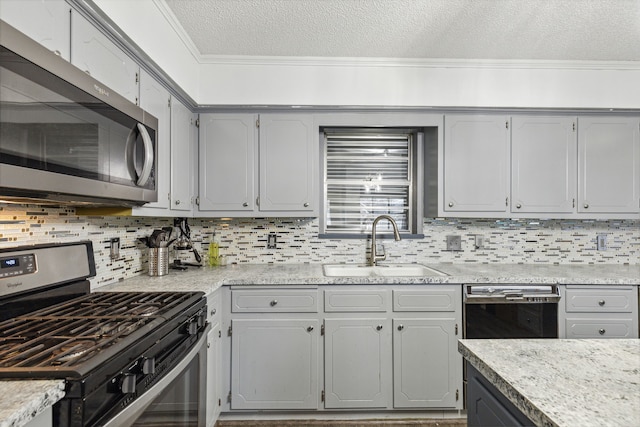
18, 265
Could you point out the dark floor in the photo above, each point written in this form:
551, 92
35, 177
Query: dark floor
453, 422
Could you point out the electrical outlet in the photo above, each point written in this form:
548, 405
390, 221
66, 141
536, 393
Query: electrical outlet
479, 241
272, 241
114, 251
601, 242
454, 243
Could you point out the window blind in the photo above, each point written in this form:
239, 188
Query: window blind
367, 174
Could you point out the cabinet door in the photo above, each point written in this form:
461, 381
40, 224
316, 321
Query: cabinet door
228, 150
214, 375
426, 363
357, 363
155, 99
476, 164
544, 170
288, 163
274, 364
182, 169
609, 165
47, 22
94, 53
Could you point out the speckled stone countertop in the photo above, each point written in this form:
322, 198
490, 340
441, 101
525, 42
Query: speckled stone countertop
21, 401
564, 382
207, 279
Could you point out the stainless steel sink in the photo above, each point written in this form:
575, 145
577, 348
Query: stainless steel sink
383, 270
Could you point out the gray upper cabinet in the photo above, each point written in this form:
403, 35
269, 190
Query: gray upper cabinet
476, 164
228, 160
94, 53
47, 22
155, 99
254, 165
288, 163
183, 147
609, 165
544, 157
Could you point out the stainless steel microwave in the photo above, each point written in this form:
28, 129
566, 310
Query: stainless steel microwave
65, 137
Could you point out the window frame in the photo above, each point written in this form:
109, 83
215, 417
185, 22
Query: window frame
416, 185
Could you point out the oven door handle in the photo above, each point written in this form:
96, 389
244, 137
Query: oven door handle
133, 411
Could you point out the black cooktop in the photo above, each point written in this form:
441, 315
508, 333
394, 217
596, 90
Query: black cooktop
67, 340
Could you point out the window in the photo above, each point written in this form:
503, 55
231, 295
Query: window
370, 172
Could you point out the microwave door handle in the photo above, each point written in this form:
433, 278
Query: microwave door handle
148, 156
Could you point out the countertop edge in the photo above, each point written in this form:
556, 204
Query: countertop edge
535, 414
28, 399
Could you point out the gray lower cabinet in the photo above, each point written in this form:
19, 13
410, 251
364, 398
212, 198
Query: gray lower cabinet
274, 364
357, 354
487, 406
599, 312
369, 347
425, 368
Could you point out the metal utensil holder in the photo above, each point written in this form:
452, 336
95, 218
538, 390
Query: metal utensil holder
158, 261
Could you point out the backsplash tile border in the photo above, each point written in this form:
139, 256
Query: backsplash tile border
243, 240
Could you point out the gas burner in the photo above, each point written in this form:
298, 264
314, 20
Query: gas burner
122, 328
72, 351
145, 310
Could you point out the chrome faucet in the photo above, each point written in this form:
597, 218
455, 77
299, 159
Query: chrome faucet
374, 256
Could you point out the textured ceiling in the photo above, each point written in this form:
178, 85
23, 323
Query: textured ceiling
592, 30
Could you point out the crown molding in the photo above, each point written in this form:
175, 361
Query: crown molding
168, 14
417, 63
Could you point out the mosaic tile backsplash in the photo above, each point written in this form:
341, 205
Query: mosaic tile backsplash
245, 240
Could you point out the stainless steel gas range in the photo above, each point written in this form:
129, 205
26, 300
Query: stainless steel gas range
128, 358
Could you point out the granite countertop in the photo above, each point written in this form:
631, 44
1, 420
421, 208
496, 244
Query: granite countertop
21, 401
208, 279
564, 382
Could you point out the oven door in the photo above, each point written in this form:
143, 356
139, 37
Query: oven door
178, 399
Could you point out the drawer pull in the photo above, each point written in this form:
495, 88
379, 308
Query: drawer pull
379, 327
274, 302
400, 327
601, 331
310, 328
601, 303
213, 311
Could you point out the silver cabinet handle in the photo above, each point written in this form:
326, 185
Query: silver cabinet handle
310, 328
177, 202
450, 204
57, 52
586, 205
400, 327
518, 206
306, 205
379, 327
213, 311
601, 303
274, 302
245, 204
601, 331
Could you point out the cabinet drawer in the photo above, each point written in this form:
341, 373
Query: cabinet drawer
599, 328
599, 300
339, 300
433, 299
275, 300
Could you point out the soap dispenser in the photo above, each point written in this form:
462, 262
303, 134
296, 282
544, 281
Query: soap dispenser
214, 250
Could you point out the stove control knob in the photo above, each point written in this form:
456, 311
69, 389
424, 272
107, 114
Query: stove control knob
128, 384
192, 328
148, 365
